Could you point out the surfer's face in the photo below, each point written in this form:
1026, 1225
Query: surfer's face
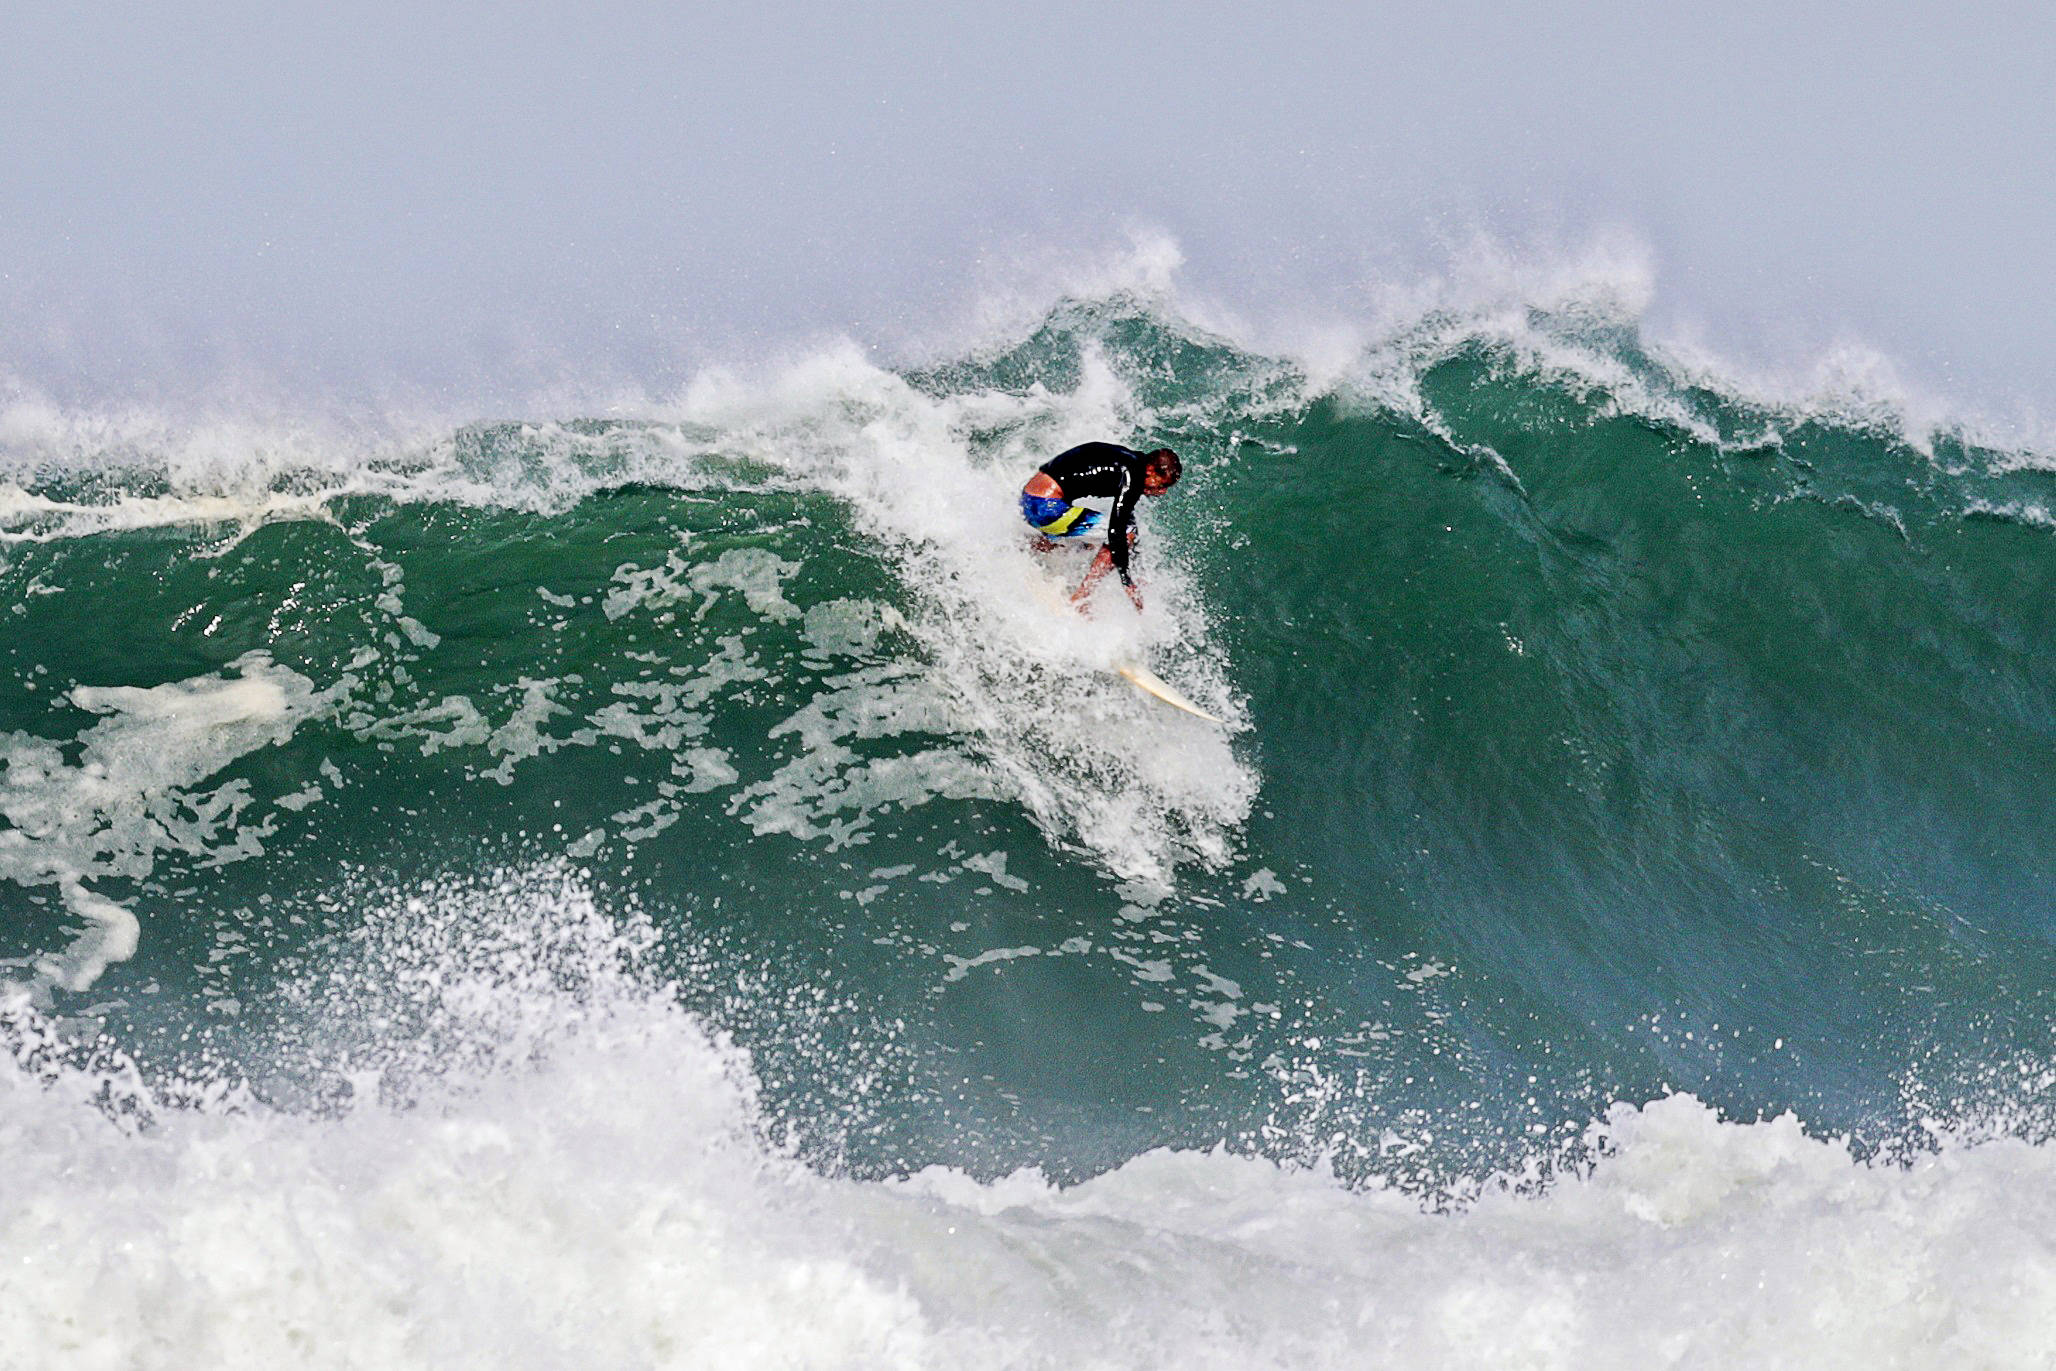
1156, 480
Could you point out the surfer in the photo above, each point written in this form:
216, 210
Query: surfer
1095, 471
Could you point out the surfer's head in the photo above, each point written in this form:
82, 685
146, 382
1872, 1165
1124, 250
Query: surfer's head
1161, 471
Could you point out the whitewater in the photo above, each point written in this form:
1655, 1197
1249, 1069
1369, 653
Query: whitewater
604, 886
600, 1185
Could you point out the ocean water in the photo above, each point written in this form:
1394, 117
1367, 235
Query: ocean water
663, 888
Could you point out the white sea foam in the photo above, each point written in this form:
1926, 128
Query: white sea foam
27, 517
543, 1162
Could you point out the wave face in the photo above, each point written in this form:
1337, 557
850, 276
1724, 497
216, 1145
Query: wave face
672, 884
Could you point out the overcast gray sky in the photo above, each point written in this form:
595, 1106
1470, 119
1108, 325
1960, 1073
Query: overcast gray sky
488, 198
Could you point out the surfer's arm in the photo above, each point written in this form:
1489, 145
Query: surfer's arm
1102, 563
1121, 520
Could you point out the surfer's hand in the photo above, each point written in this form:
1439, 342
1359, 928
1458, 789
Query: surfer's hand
1135, 595
1099, 568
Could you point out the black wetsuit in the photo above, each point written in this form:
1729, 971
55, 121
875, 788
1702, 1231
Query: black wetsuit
1093, 471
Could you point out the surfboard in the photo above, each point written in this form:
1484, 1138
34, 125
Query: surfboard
1147, 681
